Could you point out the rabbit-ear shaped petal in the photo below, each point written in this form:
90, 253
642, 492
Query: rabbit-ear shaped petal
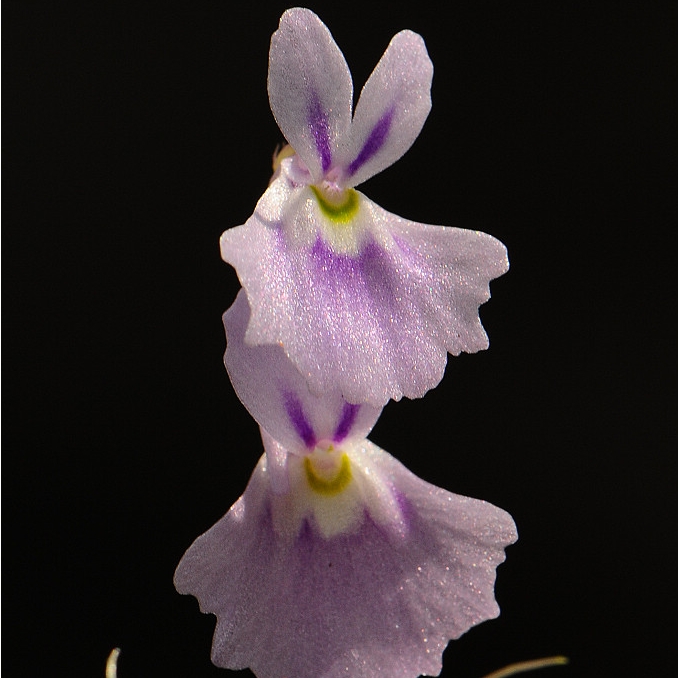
392, 109
310, 88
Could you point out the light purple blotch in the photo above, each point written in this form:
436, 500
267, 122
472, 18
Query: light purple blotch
369, 275
301, 425
317, 121
373, 142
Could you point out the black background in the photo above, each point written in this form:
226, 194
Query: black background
135, 133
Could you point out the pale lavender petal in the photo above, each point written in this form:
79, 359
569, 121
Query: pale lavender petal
277, 395
374, 324
276, 463
392, 109
310, 88
369, 603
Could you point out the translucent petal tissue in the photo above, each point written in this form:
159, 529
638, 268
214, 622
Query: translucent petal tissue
359, 299
380, 594
278, 397
336, 561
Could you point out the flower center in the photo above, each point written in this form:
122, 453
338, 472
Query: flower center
327, 472
337, 204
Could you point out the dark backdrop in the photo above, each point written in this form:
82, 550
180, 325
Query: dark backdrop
136, 132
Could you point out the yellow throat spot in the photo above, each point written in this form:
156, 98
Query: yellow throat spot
340, 212
329, 486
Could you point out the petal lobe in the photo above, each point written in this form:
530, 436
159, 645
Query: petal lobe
392, 109
310, 88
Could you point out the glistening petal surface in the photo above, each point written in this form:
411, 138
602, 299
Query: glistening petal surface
368, 604
392, 109
310, 88
277, 395
376, 321
276, 463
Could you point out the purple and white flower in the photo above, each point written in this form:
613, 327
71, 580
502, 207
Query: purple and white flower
362, 301
336, 561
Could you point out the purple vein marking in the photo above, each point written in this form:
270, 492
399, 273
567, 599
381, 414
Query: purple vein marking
348, 415
355, 283
317, 121
374, 141
301, 425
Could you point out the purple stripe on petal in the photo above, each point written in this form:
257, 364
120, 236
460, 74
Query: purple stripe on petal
348, 415
373, 142
301, 425
317, 120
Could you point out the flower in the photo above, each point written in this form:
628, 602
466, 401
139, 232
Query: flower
362, 301
336, 561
